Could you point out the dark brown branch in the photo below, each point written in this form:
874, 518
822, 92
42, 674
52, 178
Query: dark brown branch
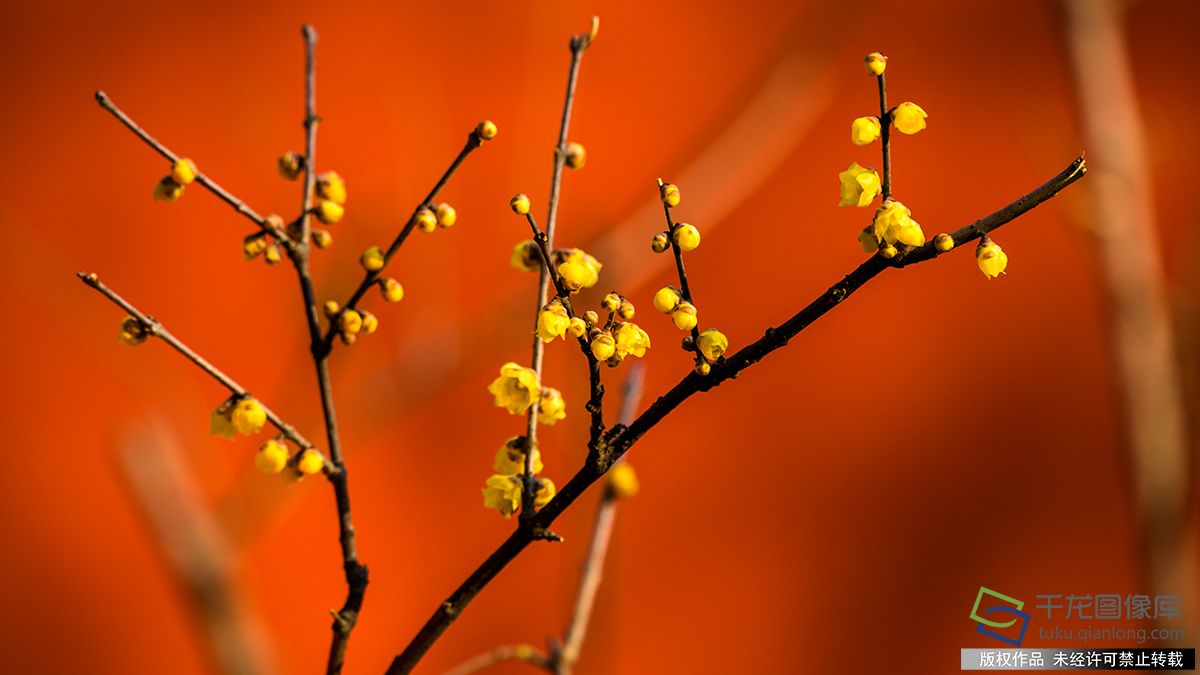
885, 137
201, 178
499, 655
622, 438
156, 329
684, 286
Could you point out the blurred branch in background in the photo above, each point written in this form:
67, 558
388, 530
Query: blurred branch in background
195, 548
1143, 340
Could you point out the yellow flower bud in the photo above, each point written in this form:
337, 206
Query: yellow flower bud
291, 165
273, 254
503, 493
516, 389
552, 321
702, 368
943, 242
310, 462
660, 242
519, 204
392, 290
684, 315
908, 118
577, 327
859, 186
167, 190
486, 130
183, 171
322, 239
591, 317
253, 245
888, 251
626, 310
575, 156
331, 308
331, 187
426, 220
876, 63
248, 416
864, 130
712, 344
329, 212
510, 458
632, 340
576, 275
372, 259
603, 346
446, 215
272, 457
551, 406
622, 481
545, 492
220, 424
526, 257
669, 194
350, 321
132, 332
611, 302
370, 322
687, 237
991, 258
666, 299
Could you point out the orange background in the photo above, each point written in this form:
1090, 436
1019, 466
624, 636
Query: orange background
846, 497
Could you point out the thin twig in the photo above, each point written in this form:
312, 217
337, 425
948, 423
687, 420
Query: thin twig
156, 329
684, 285
201, 178
499, 655
622, 438
885, 137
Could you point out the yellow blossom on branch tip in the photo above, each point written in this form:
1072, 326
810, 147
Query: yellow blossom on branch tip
272, 457
486, 130
183, 171
446, 215
575, 156
552, 321
669, 194
310, 462
611, 302
503, 493
908, 118
632, 340
551, 406
591, 318
519, 204
859, 186
875, 63
167, 190
290, 165
577, 327
426, 220
864, 130
248, 416
372, 259
350, 322
623, 481
132, 332
684, 316
889, 220
516, 389
687, 237
626, 310
510, 458
545, 492
525, 257
329, 212
991, 258
584, 270
603, 346
370, 322
392, 290
712, 344
330, 186
660, 242
666, 299
331, 308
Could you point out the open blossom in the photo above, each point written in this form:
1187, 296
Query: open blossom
864, 130
578, 269
545, 492
551, 406
552, 321
712, 343
632, 340
510, 458
908, 118
894, 224
516, 389
991, 258
248, 416
859, 186
503, 493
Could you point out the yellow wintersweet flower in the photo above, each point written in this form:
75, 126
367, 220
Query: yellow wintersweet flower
661, 242
551, 406
183, 171
322, 239
525, 257
576, 156
291, 165
626, 310
273, 254
859, 186
370, 322
519, 204
712, 344
876, 63
503, 493
577, 327
603, 346
272, 457
510, 458
888, 251
516, 389
253, 245
329, 212
908, 118
666, 299
330, 186
392, 290
623, 481
310, 462
372, 259
167, 190
426, 220
248, 416
578, 269
894, 224
486, 130
632, 340
864, 130
866, 239
446, 215
669, 194
943, 242
684, 316
350, 321
545, 493
991, 258
686, 236
552, 321
219, 423
611, 302
132, 332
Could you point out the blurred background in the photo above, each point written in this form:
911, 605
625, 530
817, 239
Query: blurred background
844, 499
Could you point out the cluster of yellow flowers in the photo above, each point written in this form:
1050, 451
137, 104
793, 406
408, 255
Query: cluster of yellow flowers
245, 415
502, 491
350, 322
517, 388
709, 345
170, 188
